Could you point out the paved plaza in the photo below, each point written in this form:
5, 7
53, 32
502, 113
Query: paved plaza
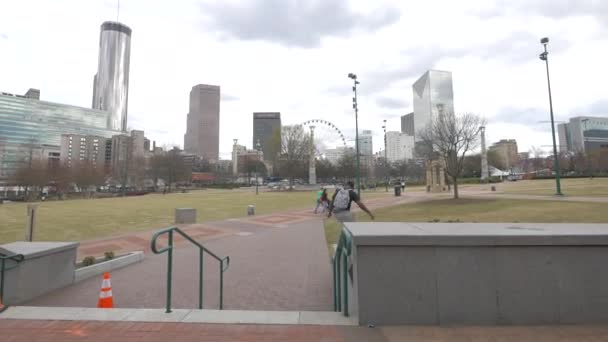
279, 262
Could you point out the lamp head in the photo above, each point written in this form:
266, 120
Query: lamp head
544, 41
353, 76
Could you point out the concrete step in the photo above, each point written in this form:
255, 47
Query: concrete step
178, 315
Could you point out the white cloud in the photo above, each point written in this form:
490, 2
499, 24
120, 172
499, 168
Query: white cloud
301, 70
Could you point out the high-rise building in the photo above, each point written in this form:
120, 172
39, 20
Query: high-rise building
507, 151
407, 124
77, 148
366, 147
30, 127
267, 130
433, 95
585, 134
399, 146
333, 155
563, 133
111, 83
202, 136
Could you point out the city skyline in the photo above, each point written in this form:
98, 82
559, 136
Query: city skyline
302, 72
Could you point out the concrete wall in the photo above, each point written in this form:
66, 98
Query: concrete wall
478, 274
47, 266
481, 285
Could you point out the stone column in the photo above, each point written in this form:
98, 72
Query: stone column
312, 170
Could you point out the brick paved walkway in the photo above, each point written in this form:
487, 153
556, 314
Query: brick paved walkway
60, 331
272, 268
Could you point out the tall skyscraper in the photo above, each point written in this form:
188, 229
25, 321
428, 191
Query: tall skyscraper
366, 147
267, 130
407, 124
202, 136
433, 94
111, 83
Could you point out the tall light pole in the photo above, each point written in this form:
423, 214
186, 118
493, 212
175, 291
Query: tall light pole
385, 158
257, 162
544, 56
356, 108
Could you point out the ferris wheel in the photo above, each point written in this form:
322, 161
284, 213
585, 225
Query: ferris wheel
326, 135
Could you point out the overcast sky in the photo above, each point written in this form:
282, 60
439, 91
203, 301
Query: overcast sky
293, 56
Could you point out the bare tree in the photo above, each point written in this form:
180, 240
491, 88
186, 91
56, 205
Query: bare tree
60, 178
295, 149
325, 170
32, 175
87, 176
273, 149
452, 137
538, 153
347, 166
496, 160
170, 167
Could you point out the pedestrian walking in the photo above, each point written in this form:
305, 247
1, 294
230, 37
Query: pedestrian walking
341, 204
319, 194
324, 201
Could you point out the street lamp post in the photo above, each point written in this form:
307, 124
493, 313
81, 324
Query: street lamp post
356, 108
385, 158
544, 56
257, 162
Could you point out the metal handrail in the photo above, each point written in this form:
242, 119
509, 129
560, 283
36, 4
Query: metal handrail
17, 258
343, 251
224, 263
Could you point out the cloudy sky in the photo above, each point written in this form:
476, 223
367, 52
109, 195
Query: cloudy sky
293, 56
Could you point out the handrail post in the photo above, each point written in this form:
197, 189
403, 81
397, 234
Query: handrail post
345, 284
2, 283
333, 266
222, 284
200, 279
338, 282
169, 270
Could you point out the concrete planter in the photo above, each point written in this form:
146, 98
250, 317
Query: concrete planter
107, 266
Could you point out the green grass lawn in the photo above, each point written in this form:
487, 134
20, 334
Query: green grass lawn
570, 187
81, 219
482, 210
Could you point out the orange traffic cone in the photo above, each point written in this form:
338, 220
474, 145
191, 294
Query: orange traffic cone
105, 296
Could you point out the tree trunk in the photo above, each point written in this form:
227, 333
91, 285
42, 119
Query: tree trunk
455, 181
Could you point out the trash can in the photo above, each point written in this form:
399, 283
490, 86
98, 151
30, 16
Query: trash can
251, 210
397, 190
493, 188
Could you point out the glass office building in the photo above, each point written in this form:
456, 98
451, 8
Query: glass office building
265, 125
30, 128
585, 134
433, 94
